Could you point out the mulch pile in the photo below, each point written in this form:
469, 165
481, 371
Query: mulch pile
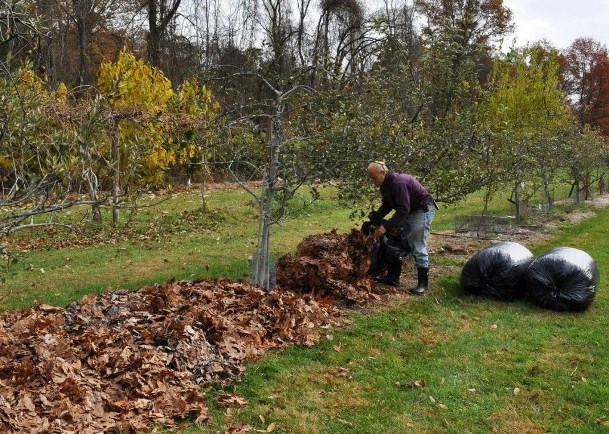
121, 361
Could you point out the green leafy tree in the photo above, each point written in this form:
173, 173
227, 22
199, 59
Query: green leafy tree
39, 162
586, 158
527, 118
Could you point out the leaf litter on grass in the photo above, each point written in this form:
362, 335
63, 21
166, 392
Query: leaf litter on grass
122, 361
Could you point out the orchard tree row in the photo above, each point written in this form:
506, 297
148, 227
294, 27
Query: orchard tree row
102, 99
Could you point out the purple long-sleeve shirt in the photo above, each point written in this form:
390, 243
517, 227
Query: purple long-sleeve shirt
404, 194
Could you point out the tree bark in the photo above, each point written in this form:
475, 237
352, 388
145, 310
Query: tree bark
115, 157
83, 10
262, 273
548, 194
160, 15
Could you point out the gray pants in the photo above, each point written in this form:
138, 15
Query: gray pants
420, 223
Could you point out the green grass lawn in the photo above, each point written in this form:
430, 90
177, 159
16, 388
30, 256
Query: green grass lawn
447, 362
443, 363
218, 246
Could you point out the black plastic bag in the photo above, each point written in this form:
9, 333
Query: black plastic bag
563, 279
497, 271
388, 248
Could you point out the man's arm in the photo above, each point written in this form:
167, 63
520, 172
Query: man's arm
402, 200
384, 209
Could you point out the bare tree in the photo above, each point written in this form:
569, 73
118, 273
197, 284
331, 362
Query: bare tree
346, 43
20, 32
303, 37
160, 15
205, 18
272, 183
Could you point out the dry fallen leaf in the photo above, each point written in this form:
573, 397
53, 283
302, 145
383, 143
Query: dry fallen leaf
417, 384
343, 372
230, 400
239, 428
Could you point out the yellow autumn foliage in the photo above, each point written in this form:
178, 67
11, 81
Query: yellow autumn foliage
131, 84
196, 101
61, 93
28, 81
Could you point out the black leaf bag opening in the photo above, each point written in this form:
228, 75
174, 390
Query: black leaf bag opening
563, 279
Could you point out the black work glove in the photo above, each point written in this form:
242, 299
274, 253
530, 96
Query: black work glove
375, 218
368, 228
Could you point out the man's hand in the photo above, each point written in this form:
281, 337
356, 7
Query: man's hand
375, 218
379, 232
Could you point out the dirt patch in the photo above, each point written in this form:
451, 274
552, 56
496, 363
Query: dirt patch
571, 218
577, 216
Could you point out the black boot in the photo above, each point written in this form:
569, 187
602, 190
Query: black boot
393, 274
423, 277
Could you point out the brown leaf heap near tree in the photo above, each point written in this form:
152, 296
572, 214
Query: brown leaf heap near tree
125, 360
331, 266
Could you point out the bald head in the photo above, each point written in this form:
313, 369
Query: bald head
377, 171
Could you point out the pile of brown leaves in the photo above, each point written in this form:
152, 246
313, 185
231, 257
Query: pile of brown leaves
124, 360
331, 265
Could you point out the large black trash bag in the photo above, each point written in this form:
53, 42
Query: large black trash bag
563, 279
388, 248
497, 271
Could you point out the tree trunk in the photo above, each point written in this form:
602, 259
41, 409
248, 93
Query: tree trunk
576, 182
261, 261
92, 185
160, 14
154, 33
548, 194
517, 200
115, 157
83, 40
204, 180
262, 274
587, 186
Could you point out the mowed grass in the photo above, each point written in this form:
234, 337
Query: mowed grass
219, 247
443, 363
